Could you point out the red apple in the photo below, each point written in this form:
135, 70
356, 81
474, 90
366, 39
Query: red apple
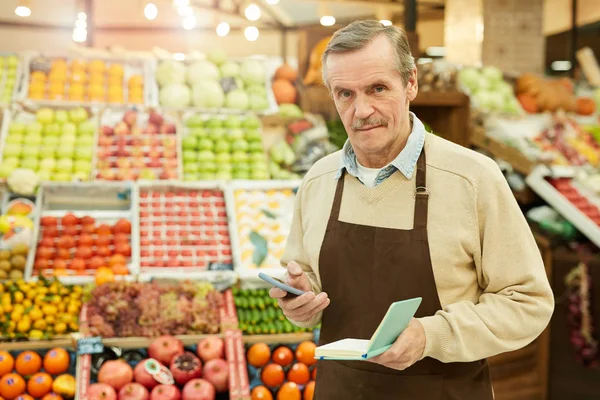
165, 392
210, 348
198, 389
168, 128
169, 143
101, 391
130, 117
155, 118
121, 129
151, 129
104, 141
107, 131
107, 174
136, 131
216, 372
133, 391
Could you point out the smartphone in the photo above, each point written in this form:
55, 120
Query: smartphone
278, 283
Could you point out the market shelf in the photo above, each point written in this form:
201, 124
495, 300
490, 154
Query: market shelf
511, 155
279, 338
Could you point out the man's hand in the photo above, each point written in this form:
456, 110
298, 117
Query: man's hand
407, 349
302, 308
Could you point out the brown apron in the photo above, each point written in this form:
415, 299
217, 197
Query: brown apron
363, 270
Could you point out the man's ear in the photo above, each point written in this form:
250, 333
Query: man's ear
412, 86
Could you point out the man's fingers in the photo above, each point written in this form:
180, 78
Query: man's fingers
296, 310
319, 307
277, 293
294, 270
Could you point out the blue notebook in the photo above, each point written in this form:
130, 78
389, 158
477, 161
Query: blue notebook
392, 325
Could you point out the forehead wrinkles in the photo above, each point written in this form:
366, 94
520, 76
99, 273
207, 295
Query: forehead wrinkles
354, 82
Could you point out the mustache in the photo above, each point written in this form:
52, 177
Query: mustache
361, 123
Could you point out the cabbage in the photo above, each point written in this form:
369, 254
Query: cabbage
257, 89
253, 71
258, 102
175, 95
201, 71
470, 78
492, 74
217, 56
237, 99
230, 69
504, 89
170, 71
490, 101
208, 94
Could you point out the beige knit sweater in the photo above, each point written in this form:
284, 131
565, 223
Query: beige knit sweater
488, 270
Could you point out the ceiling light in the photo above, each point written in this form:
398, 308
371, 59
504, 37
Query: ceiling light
189, 22
273, 1
79, 35
23, 11
181, 3
385, 22
223, 29
251, 33
179, 56
80, 23
150, 11
327, 20
561, 65
185, 11
252, 12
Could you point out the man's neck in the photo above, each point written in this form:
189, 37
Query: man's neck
381, 160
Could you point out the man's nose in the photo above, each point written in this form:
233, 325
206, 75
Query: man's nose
362, 107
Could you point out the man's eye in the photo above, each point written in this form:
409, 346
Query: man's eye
345, 94
379, 89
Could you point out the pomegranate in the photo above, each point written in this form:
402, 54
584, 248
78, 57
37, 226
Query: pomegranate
165, 392
185, 367
198, 389
211, 348
116, 373
165, 348
133, 391
101, 391
217, 372
142, 376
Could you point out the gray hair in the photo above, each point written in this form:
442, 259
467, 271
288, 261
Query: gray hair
359, 34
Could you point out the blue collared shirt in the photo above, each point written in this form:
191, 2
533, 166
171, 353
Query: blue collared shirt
405, 162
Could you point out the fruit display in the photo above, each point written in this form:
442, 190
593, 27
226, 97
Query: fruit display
214, 83
12, 262
136, 145
259, 314
538, 94
45, 375
283, 85
9, 75
436, 76
281, 159
488, 91
38, 310
124, 309
223, 147
56, 143
183, 227
263, 217
166, 370
85, 80
282, 371
77, 244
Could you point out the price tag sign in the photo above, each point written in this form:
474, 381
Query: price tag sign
215, 266
92, 345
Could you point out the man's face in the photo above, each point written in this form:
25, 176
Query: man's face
371, 97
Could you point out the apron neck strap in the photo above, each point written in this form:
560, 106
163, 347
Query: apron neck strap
421, 194
337, 200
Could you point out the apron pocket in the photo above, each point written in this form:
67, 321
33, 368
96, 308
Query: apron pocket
337, 381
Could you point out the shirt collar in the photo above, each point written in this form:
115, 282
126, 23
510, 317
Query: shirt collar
405, 162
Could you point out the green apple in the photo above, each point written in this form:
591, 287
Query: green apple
252, 135
206, 156
147, 174
190, 168
195, 121
85, 141
53, 130
259, 175
12, 150
6, 170
239, 157
45, 115
78, 115
257, 157
241, 175
34, 128
65, 151
241, 167
222, 146
222, 158
61, 116
61, 176
64, 165
206, 176
68, 139
12, 62
251, 123
214, 123
235, 134
217, 134
47, 164
86, 128
32, 140
17, 128
30, 163
51, 140
84, 154
200, 133
69, 129
83, 166
232, 121
47, 151
225, 168
191, 177
255, 147
189, 156
2, 61
223, 175
82, 176
14, 139
189, 142
208, 166
239, 145
44, 175
205, 144
30, 152
11, 161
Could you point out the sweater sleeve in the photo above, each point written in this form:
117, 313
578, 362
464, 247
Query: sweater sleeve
295, 251
516, 300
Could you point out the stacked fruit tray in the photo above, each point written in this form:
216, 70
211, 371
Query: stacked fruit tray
82, 227
183, 226
217, 146
48, 374
10, 73
282, 371
136, 145
263, 214
77, 80
167, 369
55, 142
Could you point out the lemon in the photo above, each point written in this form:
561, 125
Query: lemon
24, 325
40, 324
31, 294
74, 326
77, 289
11, 326
60, 327
36, 334
50, 319
62, 307
6, 298
7, 308
35, 314
19, 307
64, 291
27, 303
56, 299
53, 289
16, 315
43, 290
39, 299
49, 309
66, 318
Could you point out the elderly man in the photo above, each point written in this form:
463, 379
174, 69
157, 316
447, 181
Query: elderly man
401, 213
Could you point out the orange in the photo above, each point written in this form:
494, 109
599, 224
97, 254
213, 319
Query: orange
7, 363
56, 361
299, 374
96, 67
283, 356
96, 79
258, 355
79, 77
272, 375
52, 396
24, 397
117, 259
120, 269
135, 80
28, 363
305, 353
39, 385
309, 391
116, 70
314, 374
78, 65
104, 275
11, 385
261, 393
38, 76
289, 391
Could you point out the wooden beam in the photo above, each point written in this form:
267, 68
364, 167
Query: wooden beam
89, 11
